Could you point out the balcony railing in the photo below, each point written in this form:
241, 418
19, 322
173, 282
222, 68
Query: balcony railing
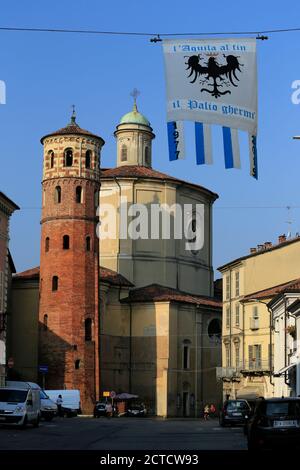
256, 365
251, 367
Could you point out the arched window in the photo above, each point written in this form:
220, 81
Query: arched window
51, 157
88, 329
45, 322
55, 283
66, 242
88, 243
186, 354
124, 153
79, 194
147, 156
88, 159
214, 329
77, 364
57, 196
68, 157
47, 244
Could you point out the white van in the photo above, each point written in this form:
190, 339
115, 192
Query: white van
48, 407
20, 404
70, 400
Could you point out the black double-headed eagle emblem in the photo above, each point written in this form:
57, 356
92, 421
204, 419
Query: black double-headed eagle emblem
213, 75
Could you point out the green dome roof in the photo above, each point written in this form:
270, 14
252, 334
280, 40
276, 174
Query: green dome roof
134, 117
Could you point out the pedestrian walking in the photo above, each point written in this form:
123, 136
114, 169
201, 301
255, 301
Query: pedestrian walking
212, 410
59, 402
206, 412
108, 409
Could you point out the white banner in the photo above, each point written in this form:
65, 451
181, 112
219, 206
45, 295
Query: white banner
212, 81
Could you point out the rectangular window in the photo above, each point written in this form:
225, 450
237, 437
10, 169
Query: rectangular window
237, 315
227, 352
227, 317
254, 321
271, 355
227, 284
186, 355
237, 283
255, 352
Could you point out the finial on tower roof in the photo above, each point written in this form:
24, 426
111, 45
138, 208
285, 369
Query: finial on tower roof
73, 117
135, 93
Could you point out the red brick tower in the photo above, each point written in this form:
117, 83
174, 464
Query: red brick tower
69, 269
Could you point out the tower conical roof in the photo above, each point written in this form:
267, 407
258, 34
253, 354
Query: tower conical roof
72, 128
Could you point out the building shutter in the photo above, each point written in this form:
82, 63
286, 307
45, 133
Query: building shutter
251, 362
258, 355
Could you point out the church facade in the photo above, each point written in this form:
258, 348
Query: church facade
128, 314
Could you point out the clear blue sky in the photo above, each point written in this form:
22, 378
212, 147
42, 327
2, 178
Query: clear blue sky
46, 73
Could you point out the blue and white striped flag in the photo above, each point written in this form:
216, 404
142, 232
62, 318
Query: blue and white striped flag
231, 148
203, 143
176, 140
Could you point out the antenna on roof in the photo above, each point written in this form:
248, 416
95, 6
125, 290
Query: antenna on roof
289, 222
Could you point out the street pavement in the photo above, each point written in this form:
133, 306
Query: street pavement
86, 433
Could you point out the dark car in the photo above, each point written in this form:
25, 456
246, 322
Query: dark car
275, 421
234, 412
136, 409
99, 409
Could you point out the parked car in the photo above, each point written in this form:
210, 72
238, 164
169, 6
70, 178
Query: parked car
100, 409
235, 412
136, 409
275, 421
48, 407
20, 404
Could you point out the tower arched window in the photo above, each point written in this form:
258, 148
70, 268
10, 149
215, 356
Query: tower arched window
68, 157
88, 159
47, 244
79, 194
88, 243
57, 196
55, 283
45, 322
51, 157
123, 153
147, 155
88, 329
77, 364
66, 242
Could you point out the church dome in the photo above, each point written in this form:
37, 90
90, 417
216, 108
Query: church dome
134, 117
